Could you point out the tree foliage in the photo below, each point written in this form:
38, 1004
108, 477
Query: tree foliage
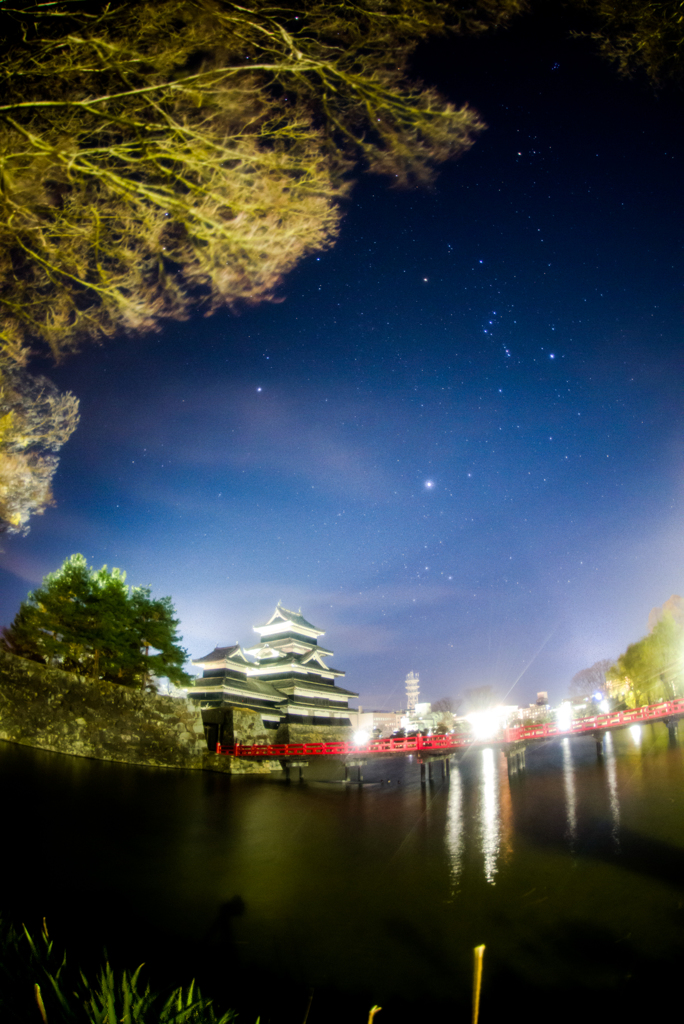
89, 621
651, 669
35, 421
639, 36
479, 698
447, 709
157, 155
447, 705
591, 679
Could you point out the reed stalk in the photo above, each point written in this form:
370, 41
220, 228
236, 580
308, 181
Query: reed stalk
478, 954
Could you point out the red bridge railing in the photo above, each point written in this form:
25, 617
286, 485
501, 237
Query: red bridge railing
610, 720
446, 741
405, 745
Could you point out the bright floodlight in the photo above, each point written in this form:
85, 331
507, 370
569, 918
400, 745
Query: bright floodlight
485, 724
604, 706
361, 737
564, 716
635, 733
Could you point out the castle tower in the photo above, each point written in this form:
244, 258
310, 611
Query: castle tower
412, 691
289, 684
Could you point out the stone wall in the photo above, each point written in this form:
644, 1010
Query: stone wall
236, 725
54, 710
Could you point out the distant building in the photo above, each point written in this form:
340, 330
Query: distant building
533, 712
378, 723
412, 691
288, 684
420, 718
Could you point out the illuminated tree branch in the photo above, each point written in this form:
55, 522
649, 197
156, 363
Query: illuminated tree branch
161, 157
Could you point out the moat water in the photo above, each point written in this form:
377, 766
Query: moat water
571, 873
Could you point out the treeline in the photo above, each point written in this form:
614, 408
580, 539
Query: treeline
89, 621
649, 671
652, 669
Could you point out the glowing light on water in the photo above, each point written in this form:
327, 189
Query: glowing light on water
612, 785
635, 733
454, 825
569, 784
490, 830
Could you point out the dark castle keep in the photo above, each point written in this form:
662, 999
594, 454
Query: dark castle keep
288, 684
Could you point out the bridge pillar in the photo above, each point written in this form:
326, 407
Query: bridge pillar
598, 736
672, 726
422, 773
515, 760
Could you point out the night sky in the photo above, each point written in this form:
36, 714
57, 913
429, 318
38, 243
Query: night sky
457, 443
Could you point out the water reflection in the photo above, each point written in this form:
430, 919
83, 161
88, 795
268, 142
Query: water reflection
235, 877
489, 813
505, 810
570, 794
612, 786
454, 826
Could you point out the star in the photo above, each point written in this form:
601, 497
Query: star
429, 484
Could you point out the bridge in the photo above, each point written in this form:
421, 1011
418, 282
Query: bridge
442, 746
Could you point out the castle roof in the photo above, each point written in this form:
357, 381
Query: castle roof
283, 620
220, 656
284, 647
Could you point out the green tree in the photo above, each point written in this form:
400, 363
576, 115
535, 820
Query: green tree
635, 35
651, 669
89, 621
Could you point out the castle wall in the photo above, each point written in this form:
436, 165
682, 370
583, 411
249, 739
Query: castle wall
53, 710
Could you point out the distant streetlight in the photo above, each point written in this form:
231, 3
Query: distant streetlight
564, 716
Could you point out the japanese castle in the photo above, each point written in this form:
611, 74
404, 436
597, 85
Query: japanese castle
288, 683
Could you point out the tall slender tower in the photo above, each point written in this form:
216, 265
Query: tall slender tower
412, 691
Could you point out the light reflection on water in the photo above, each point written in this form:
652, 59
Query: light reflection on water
490, 830
611, 774
570, 794
455, 839
383, 888
494, 816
